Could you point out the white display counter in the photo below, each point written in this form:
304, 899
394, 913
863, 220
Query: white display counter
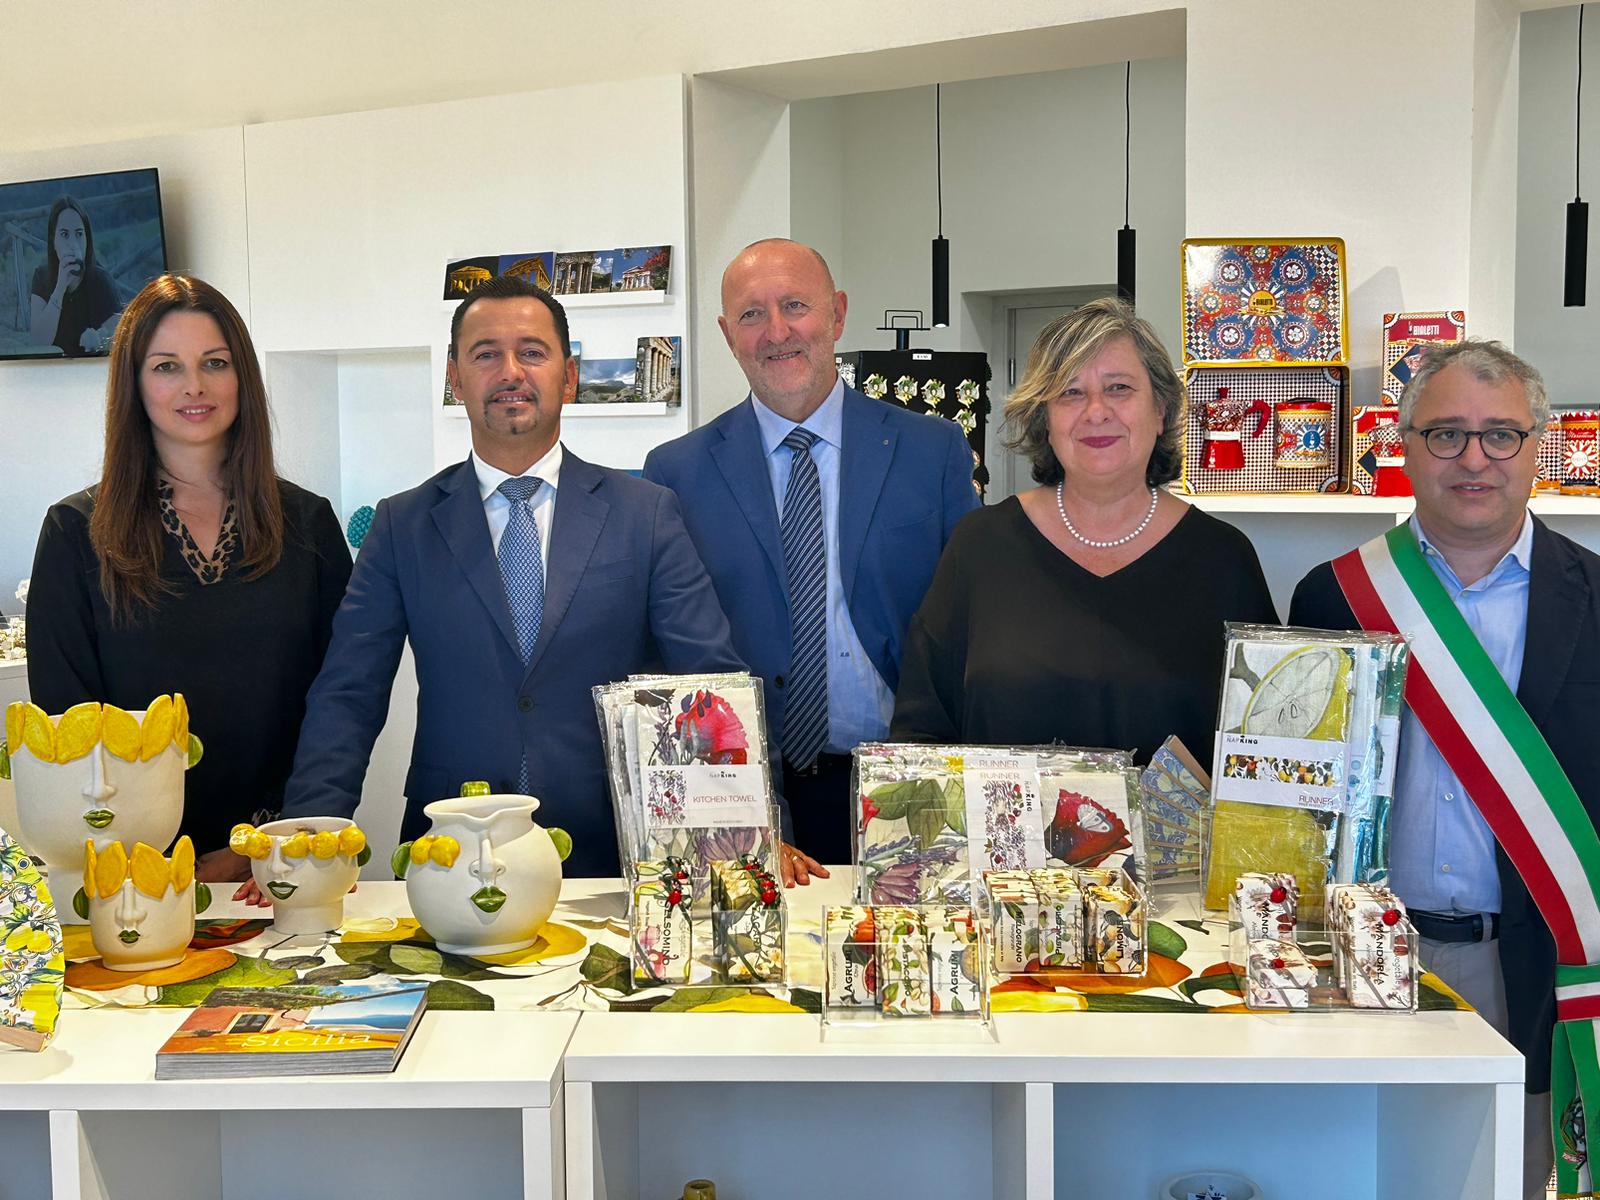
1310, 1105
621, 1105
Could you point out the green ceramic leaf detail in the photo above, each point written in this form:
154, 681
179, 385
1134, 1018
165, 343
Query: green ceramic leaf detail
197, 751
400, 860
80, 904
202, 897
5, 760
563, 843
364, 857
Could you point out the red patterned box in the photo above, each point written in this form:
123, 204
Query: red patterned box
1403, 333
1262, 395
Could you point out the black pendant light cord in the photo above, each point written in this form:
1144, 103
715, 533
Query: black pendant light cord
1577, 125
1127, 136
938, 150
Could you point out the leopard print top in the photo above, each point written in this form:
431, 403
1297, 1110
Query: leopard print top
206, 570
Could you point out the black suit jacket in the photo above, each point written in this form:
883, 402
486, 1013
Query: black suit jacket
1560, 688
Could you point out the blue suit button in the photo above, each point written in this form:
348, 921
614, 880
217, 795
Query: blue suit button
524, 703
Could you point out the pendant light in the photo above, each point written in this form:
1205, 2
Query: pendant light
1126, 235
941, 246
1573, 289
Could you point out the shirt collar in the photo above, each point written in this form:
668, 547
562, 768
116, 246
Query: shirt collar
490, 478
827, 422
1521, 552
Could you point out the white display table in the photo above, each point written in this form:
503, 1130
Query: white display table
622, 1105
1310, 1105
473, 1110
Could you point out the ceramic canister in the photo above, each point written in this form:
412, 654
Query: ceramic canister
485, 878
98, 772
141, 906
1305, 431
307, 865
1580, 452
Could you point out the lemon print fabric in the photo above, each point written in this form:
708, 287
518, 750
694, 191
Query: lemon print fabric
82, 727
32, 960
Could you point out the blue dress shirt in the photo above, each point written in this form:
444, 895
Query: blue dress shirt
1442, 850
859, 702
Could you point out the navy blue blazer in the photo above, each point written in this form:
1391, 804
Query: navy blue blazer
905, 479
625, 592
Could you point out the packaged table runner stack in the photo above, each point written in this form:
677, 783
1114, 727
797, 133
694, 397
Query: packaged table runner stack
1303, 775
930, 820
697, 828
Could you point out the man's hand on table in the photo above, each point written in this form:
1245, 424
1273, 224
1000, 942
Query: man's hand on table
798, 867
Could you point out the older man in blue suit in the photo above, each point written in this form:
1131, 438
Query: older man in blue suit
522, 577
821, 515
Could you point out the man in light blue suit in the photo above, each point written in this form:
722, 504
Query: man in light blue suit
522, 577
820, 514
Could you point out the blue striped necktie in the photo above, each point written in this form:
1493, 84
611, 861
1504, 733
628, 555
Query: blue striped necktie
805, 557
522, 569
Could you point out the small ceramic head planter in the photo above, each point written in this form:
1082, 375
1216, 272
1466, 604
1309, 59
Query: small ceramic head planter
485, 878
306, 864
99, 772
140, 906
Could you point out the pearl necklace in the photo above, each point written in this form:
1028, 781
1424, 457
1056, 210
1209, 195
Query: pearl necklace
1121, 541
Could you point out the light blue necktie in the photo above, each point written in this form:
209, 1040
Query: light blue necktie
522, 569
805, 556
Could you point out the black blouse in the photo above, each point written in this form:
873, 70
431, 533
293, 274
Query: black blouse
242, 651
1017, 644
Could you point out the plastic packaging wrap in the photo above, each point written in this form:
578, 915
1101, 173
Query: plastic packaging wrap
697, 826
903, 961
1302, 776
931, 819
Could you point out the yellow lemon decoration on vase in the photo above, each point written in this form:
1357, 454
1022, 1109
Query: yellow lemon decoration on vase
119, 730
325, 844
14, 725
239, 837
444, 851
38, 735
159, 719
110, 869
180, 723
352, 841
151, 873
77, 732
297, 846
182, 864
419, 850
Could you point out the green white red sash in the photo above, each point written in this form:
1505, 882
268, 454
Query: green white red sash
1489, 741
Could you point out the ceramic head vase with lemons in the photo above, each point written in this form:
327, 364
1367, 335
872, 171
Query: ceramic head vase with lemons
485, 878
140, 906
100, 772
306, 864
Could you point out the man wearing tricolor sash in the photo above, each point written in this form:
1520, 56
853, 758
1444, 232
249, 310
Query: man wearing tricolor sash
1497, 788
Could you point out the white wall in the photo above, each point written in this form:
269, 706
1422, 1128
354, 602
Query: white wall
52, 413
740, 193
1559, 341
1033, 175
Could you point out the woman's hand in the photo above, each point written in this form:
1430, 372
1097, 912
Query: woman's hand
69, 274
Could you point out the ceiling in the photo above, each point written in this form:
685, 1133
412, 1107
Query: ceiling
85, 71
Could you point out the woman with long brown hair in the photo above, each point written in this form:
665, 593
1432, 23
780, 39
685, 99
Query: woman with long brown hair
191, 566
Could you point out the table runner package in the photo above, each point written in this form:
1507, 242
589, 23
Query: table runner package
690, 779
931, 819
1176, 796
903, 961
1303, 771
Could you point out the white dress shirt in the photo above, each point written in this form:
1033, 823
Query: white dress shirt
497, 509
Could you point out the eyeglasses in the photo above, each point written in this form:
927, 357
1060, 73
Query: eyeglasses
1500, 443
